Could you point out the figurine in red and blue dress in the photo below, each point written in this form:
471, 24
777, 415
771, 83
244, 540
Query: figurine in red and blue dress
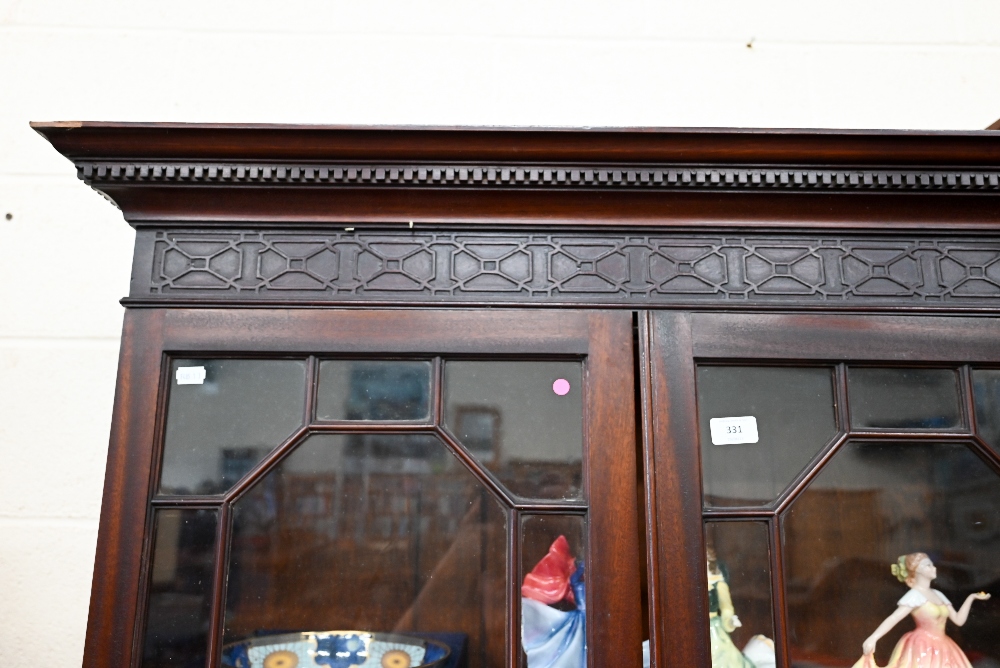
554, 637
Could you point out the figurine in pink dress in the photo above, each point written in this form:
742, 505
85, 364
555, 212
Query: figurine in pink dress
927, 646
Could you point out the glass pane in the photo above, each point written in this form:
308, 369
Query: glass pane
376, 533
521, 420
553, 597
986, 384
224, 416
373, 390
181, 588
740, 621
793, 410
871, 504
903, 398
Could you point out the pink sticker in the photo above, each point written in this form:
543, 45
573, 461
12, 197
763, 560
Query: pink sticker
561, 387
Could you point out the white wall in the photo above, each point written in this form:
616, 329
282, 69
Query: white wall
892, 64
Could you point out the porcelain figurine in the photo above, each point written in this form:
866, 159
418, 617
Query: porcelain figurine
554, 637
722, 619
760, 651
927, 646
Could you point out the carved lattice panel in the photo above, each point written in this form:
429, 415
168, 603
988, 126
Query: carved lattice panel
575, 268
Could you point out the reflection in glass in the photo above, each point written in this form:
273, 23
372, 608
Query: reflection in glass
870, 504
553, 595
903, 398
373, 390
521, 420
741, 626
986, 388
177, 616
794, 407
221, 427
371, 532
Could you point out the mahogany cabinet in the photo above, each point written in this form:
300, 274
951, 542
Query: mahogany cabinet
532, 397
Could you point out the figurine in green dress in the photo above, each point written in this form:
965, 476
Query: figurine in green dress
722, 618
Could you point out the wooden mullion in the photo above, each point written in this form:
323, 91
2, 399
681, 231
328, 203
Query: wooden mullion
967, 393
209, 502
437, 392
735, 514
217, 614
985, 451
360, 427
841, 395
808, 472
512, 646
890, 434
265, 465
312, 389
778, 606
480, 472
803, 482
160, 431
145, 585
547, 508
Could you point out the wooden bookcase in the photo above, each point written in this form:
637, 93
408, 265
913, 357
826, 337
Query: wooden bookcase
643, 254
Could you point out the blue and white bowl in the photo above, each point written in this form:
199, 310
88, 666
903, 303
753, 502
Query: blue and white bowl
335, 649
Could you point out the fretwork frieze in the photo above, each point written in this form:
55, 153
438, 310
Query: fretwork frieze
623, 269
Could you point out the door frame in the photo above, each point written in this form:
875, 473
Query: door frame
670, 345
151, 337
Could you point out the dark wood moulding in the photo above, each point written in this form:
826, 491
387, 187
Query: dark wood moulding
215, 141
204, 175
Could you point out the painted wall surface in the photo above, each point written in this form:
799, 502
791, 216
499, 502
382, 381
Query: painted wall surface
893, 64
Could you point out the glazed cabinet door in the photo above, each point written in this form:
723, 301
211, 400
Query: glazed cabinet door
826, 490
386, 489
